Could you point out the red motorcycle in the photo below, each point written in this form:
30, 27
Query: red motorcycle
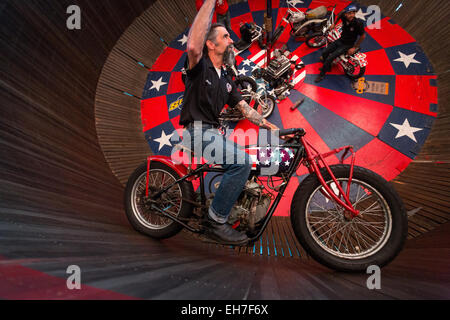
345, 216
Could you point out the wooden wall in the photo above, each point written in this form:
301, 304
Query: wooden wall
50, 159
71, 113
425, 184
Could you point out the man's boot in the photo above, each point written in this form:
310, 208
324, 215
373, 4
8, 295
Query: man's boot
223, 232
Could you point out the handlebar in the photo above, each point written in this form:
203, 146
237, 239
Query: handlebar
286, 132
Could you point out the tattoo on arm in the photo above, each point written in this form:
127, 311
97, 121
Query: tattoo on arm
251, 114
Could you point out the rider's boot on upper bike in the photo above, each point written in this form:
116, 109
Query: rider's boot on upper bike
222, 232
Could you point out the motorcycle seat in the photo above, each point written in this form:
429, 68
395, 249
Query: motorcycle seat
317, 13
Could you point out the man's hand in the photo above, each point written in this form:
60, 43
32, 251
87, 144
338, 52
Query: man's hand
270, 126
254, 117
351, 51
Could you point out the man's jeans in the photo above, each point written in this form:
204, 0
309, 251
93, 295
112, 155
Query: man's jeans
334, 50
215, 148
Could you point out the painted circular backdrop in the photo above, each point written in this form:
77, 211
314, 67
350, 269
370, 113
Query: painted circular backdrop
387, 124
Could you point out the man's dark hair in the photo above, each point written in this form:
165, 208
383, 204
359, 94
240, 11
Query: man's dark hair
212, 34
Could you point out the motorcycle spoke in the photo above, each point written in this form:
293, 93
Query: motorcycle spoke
350, 238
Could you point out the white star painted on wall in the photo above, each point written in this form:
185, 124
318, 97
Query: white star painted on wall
164, 140
243, 71
183, 40
157, 84
407, 59
361, 15
405, 129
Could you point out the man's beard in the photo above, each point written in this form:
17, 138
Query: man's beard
228, 56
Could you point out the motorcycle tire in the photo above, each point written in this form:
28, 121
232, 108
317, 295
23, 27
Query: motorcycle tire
141, 216
356, 76
316, 40
245, 83
371, 238
268, 106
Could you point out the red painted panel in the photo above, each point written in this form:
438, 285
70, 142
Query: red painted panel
235, 22
424, 94
378, 63
367, 114
256, 5
303, 50
381, 158
175, 84
154, 112
389, 35
167, 60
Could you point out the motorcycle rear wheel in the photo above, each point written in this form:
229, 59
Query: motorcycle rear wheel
374, 237
139, 213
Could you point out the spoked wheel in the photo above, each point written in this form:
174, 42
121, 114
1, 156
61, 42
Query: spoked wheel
316, 40
342, 242
354, 70
267, 104
139, 208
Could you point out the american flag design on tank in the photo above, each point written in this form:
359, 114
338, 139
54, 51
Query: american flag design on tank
268, 156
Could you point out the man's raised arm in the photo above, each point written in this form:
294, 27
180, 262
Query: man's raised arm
198, 31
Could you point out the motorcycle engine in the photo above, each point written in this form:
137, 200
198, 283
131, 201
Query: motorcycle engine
251, 206
279, 72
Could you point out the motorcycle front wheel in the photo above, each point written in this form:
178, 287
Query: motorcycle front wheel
267, 104
138, 209
335, 239
316, 40
355, 71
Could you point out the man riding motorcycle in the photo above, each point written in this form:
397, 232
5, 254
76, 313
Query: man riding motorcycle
208, 89
352, 28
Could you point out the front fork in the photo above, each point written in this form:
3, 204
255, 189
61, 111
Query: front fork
313, 159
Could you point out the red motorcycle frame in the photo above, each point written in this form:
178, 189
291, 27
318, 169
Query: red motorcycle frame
306, 154
366, 218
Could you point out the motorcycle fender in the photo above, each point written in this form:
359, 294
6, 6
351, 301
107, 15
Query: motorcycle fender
178, 167
361, 58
